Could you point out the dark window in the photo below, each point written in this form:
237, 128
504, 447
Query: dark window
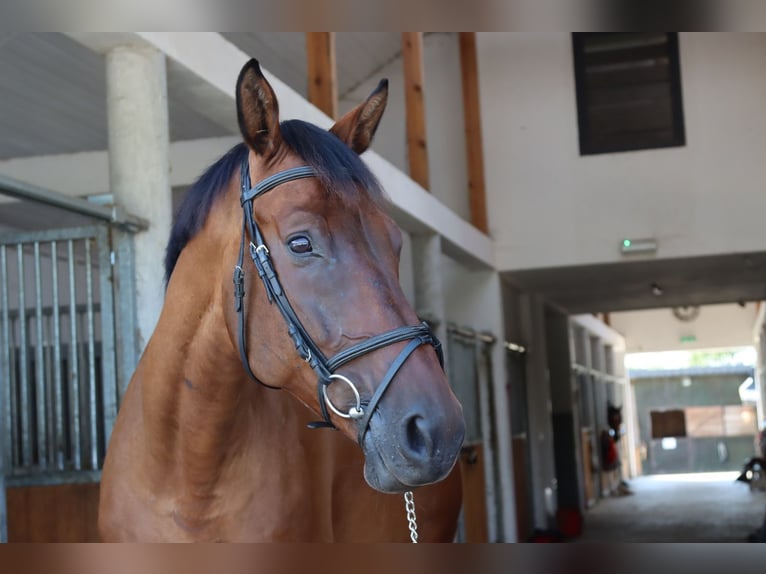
670, 423
628, 91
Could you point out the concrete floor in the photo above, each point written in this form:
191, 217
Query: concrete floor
709, 507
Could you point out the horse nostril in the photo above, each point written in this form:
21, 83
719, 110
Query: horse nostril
419, 441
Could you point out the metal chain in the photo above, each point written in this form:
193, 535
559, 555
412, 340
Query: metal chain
409, 506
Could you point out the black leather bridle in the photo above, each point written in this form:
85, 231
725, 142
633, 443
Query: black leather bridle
307, 349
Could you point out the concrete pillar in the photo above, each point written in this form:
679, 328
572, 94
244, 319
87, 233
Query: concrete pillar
489, 292
539, 409
565, 412
429, 289
760, 377
139, 168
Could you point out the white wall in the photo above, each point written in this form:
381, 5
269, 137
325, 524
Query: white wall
444, 119
759, 340
473, 299
548, 206
717, 326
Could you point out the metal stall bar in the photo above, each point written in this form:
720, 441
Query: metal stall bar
50, 422
82, 363
26, 431
58, 407
576, 368
40, 394
125, 322
92, 415
108, 347
514, 347
23, 190
74, 374
488, 428
6, 397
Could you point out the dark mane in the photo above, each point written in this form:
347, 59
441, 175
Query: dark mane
340, 170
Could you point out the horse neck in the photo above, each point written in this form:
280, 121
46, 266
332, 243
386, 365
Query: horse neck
203, 417
199, 408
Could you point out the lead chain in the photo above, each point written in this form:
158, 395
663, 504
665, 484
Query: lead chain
409, 506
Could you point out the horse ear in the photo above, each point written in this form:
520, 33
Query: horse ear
358, 126
257, 110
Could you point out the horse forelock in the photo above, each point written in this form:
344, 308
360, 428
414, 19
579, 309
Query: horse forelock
340, 170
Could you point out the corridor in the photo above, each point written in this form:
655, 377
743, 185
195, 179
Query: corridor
708, 507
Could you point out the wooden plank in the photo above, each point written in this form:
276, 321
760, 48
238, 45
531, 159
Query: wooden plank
417, 151
322, 72
472, 119
3, 519
64, 513
474, 494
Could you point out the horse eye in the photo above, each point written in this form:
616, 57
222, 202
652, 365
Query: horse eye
300, 245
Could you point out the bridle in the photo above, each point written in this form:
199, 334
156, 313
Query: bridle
308, 350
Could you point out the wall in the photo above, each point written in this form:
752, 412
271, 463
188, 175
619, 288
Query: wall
759, 340
717, 326
692, 453
548, 206
472, 298
444, 119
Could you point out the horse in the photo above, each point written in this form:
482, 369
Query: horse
217, 437
610, 452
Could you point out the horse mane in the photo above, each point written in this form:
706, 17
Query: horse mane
340, 170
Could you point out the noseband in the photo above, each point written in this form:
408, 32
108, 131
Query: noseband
307, 349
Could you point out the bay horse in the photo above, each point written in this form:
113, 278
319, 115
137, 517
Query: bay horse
264, 283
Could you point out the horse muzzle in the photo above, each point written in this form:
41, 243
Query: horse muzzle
412, 450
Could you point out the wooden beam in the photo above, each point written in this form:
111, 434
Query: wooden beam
417, 152
472, 119
322, 75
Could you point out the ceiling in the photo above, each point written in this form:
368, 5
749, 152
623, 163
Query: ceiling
53, 94
53, 89
630, 285
358, 55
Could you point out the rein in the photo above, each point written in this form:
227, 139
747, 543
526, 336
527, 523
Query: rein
325, 369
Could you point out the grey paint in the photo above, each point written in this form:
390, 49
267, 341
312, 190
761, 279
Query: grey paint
358, 55
53, 94
628, 284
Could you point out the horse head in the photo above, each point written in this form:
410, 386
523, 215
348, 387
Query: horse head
334, 252
614, 416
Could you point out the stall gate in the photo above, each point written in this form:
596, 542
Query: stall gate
60, 369
470, 373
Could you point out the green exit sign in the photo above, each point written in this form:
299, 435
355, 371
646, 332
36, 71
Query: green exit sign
688, 339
